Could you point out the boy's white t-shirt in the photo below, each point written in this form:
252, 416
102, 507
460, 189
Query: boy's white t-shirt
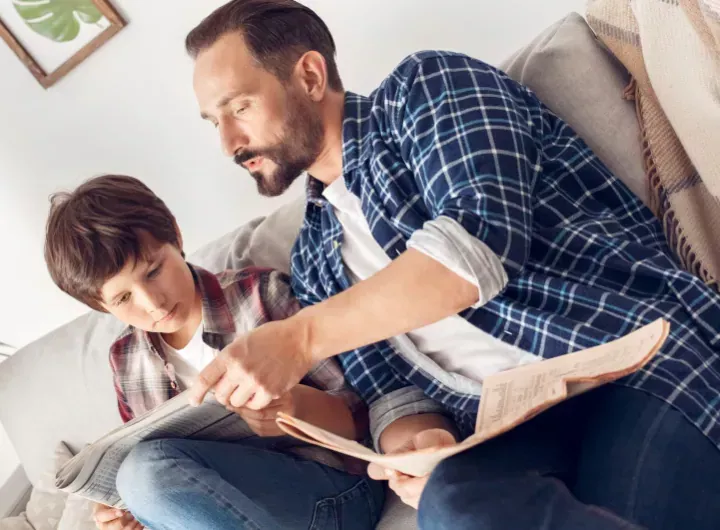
189, 361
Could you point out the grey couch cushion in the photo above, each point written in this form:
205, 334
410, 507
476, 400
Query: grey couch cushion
60, 387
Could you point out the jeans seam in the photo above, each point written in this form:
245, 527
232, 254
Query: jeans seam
356, 491
652, 432
217, 496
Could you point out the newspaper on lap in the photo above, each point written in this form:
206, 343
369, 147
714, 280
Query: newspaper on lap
92, 472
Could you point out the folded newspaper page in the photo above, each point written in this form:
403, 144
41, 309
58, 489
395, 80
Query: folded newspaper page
92, 472
511, 397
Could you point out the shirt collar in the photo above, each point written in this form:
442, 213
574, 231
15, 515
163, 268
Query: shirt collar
216, 317
356, 129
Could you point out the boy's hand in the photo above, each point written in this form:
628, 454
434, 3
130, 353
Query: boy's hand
256, 368
107, 518
408, 488
262, 422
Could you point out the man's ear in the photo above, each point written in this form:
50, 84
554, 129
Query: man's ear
311, 72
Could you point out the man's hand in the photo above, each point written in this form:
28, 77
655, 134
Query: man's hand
256, 368
410, 489
107, 518
262, 422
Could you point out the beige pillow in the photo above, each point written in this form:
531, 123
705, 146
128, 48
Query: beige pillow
50, 509
47, 504
78, 515
16, 523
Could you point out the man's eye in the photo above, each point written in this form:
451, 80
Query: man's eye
240, 110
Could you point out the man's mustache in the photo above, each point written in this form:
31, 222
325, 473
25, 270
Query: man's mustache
243, 157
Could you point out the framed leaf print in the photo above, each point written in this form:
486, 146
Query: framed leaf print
51, 37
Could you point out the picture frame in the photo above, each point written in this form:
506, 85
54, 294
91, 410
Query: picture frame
53, 37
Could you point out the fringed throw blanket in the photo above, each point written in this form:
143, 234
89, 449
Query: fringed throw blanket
672, 50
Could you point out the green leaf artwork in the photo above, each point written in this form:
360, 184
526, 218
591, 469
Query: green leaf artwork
58, 20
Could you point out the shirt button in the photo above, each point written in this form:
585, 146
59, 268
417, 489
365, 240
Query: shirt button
336, 245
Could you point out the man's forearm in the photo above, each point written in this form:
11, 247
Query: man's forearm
399, 433
413, 291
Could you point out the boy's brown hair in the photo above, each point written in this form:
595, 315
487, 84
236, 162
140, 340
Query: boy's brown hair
276, 32
92, 233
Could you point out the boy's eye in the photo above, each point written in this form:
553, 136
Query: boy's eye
125, 298
153, 273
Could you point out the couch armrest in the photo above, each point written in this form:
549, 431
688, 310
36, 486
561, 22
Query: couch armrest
14, 493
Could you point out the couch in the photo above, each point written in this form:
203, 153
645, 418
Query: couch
59, 387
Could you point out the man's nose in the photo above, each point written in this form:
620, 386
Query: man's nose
232, 138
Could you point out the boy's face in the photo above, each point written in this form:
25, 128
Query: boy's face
154, 293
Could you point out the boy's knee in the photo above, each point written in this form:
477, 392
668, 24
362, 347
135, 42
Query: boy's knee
142, 478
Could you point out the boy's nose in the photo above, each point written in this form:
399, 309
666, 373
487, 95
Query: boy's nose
155, 305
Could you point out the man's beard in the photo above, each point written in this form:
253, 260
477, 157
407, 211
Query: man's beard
299, 148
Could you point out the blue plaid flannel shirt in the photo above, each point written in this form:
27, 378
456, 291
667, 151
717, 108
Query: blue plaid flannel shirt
448, 135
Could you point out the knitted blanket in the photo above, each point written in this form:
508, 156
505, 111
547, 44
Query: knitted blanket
672, 50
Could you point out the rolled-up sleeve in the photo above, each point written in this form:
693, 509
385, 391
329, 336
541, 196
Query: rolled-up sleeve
389, 408
446, 241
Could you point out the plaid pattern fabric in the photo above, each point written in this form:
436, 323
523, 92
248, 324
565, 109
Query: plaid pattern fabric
587, 262
234, 302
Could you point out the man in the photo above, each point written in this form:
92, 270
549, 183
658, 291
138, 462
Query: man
455, 227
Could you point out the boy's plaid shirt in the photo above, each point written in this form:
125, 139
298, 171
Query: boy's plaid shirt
234, 303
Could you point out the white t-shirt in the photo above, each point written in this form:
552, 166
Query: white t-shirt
453, 343
189, 361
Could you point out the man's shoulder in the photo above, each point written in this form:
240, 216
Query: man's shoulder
430, 62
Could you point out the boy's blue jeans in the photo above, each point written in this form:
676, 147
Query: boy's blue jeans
615, 458
199, 485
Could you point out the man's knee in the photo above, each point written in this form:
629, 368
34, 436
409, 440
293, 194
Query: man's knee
441, 506
462, 495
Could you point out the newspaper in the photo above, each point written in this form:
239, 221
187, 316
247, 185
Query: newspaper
92, 472
511, 397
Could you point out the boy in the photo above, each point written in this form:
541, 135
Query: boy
114, 245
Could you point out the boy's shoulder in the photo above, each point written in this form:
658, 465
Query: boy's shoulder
249, 297
233, 282
128, 344
229, 277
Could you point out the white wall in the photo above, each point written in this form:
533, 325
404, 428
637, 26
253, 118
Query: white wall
129, 108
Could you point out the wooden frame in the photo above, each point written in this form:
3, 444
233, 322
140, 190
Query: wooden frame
47, 79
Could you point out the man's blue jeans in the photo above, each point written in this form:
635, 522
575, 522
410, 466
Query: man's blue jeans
199, 485
615, 458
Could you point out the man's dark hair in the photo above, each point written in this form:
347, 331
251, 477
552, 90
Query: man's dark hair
277, 33
93, 232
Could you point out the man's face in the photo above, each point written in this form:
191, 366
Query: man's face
155, 292
271, 130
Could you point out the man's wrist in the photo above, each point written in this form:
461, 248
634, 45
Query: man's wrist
307, 336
